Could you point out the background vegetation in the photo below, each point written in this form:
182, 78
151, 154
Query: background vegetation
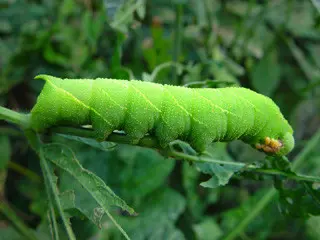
272, 47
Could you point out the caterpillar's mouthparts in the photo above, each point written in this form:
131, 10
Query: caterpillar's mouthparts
270, 145
277, 146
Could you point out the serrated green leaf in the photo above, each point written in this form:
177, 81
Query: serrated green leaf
220, 174
131, 171
67, 199
63, 157
78, 202
81, 204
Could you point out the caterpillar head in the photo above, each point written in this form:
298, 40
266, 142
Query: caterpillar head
280, 147
277, 139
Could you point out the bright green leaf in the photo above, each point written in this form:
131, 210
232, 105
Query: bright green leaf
220, 174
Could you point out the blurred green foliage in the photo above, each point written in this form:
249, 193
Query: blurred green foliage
272, 47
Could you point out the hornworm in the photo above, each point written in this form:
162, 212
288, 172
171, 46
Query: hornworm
197, 116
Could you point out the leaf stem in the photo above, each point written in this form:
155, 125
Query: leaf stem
14, 117
247, 167
296, 177
203, 159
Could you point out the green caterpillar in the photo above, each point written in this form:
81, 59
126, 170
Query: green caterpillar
198, 116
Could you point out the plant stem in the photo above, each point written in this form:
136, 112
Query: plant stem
202, 159
271, 194
14, 117
53, 222
296, 177
247, 167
